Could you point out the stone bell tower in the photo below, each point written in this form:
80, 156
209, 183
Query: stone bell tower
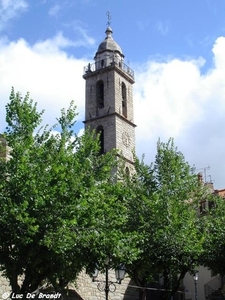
109, 111
109, 99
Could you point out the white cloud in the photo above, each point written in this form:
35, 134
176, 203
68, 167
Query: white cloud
53, 45
10, 9
87, 39
218, 51
174, 99
79, 29
52, 78
54, 10
163, 27
162, 94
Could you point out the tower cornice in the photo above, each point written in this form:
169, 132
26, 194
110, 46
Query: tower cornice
107, 116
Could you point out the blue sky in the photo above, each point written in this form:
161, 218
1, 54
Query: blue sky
160, 27
175, 47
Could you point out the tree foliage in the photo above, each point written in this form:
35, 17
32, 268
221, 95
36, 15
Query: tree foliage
163, 216
62, 209
59, 214
213, 220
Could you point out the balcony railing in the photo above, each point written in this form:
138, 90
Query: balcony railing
105, 63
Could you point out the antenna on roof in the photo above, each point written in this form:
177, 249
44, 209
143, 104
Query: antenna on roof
109, 18
204, 170
210, 179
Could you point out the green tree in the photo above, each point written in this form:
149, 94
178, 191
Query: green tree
163, 218
59, 212
213, 220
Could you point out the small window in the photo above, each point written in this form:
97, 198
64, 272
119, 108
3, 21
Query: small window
203, 207
124, 100
211, 204
100, 94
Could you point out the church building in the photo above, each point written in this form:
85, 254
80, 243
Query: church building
109, 99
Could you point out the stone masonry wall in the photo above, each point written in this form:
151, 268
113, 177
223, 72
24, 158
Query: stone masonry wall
88, 289
4, 285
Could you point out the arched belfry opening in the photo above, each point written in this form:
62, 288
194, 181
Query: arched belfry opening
100, 94
124, 99
100, 133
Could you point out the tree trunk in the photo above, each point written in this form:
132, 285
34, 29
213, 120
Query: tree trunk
142, 294
14, 284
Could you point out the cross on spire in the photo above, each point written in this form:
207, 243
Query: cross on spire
109, 18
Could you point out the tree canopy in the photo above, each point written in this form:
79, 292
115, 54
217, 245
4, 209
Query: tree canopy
213, 220
64, 208
162, 213
59, 214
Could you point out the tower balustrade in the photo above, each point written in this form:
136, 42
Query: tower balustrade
106, 63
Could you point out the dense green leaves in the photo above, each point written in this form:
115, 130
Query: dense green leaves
163, 216
59, 212
214, 246
62, 210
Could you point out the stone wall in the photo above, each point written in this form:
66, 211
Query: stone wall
4, 149
4, 285
88, 290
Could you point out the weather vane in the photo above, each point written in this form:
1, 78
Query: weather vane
109, 18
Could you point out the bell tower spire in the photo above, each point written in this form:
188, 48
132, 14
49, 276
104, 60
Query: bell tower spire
109, 98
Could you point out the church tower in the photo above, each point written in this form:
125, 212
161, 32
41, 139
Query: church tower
109, 99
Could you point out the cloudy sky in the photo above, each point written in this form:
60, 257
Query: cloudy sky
175, 47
